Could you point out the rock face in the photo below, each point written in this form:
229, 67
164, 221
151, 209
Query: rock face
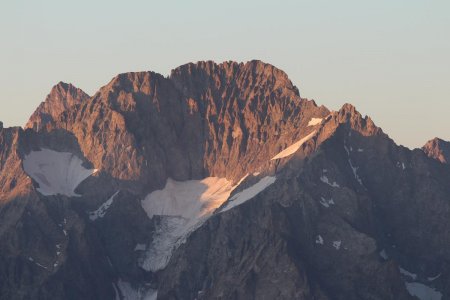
204, 120
438, 149
217, 182
62, 97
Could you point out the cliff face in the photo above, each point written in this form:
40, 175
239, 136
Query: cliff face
204, 120
217, 182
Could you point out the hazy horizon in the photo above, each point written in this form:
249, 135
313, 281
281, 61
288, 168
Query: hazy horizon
390, 60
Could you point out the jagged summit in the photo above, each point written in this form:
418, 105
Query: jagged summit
438, 149
61, 97
255, 73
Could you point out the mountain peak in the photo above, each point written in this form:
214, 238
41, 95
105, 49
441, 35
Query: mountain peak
438, 149
209, 66
252, 76
350, 115
61, 97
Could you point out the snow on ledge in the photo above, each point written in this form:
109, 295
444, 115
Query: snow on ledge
325, 179
130, 293
294, 147
337, 244
57, 173
101, 211
250, 192
315, 121
422, 291
383, 254
319, 240
407, 273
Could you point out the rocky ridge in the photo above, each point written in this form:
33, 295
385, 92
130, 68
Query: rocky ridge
318, 204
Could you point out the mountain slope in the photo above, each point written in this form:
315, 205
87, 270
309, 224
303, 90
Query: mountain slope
350, 201
218, 182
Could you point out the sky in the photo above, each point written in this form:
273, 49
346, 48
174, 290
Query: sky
391, 59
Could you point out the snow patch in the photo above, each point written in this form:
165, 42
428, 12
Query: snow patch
189, 199
183, 206
170, 232
434, 278
401, 165
324, 179
130, 293
422, 291
319, 240
140, 247
250, 192
101, 211
346, 150
116, 292
294, 147
42, 266
337, 244
57, 173
355, 169
326, 202
315, 121
407, 273
383, 254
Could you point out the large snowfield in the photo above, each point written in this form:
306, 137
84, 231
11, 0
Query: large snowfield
57, 173
183, 207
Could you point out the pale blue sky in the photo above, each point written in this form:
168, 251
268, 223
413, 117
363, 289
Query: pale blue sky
391, 59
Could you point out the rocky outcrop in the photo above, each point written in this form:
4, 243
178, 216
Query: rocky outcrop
323, 204
438, 149
62, 97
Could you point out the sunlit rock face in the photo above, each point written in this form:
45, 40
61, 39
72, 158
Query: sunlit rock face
62, 97
438, 149
216, 182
